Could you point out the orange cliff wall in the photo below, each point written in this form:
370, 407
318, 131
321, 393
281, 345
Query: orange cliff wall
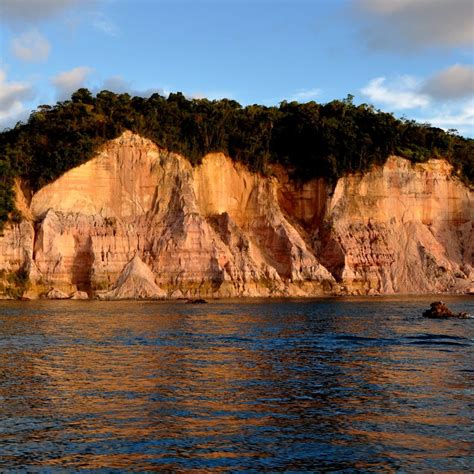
219, 230
401, 228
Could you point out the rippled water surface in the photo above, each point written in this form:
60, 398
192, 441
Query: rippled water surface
298, 385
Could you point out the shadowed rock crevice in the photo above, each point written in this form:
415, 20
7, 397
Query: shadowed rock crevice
81, 269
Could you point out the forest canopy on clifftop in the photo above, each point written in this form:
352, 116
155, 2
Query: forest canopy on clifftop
311, 139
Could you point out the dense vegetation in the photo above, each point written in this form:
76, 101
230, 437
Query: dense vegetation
310, 139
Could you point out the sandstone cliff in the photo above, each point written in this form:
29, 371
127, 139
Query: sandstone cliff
139, 221
402, 228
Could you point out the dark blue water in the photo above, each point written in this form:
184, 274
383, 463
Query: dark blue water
348, 385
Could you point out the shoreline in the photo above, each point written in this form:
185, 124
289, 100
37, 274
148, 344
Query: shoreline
254, 299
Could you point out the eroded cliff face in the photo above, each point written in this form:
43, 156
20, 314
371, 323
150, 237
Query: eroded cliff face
401, 228
219, 230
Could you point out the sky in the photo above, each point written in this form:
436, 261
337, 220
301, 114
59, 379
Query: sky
413, 58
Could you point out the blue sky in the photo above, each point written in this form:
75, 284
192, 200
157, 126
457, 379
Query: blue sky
410, 57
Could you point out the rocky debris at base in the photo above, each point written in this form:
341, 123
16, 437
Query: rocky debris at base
79, 295
135, 282
30, 295
54, 294
438, 310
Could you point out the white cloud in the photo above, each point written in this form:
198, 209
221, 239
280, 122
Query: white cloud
68, 82
17, 114
105, 25
12, 111
458, 116
455, 82
31, 46
454, 117
12, 95
398, 95
116, 84
119, 85
25, 11
445, 100
305, 95
408, 25
384, 7
447, 88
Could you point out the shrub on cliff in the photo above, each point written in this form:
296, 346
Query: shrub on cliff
326, 140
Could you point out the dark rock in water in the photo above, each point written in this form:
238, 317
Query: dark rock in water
196, 301
439, 310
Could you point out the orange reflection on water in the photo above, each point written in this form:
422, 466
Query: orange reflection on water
206, 386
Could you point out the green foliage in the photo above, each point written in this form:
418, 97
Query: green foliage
312, 140
14, 284
6, 193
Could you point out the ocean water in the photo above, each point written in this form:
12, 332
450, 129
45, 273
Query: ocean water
329, 384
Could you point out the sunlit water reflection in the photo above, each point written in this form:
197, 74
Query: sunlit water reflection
298, 385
